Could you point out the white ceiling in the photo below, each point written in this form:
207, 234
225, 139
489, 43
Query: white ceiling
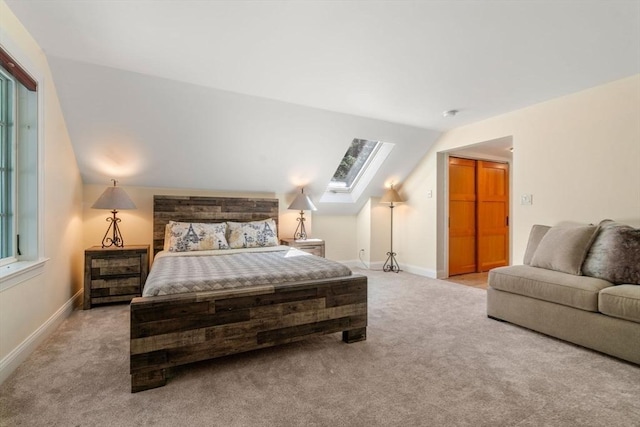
403, 62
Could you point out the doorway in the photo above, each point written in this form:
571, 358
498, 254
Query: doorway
478, 215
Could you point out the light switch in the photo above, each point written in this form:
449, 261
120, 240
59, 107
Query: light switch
526, 199
429, 194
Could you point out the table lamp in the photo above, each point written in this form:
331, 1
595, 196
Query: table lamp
113, 198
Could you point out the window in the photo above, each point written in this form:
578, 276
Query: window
18, 168
353, 164
7, 169
356, 169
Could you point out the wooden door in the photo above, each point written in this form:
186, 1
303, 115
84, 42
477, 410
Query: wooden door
492, 181
462, 216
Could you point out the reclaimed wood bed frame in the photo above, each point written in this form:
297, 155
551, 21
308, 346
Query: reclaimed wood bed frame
173, 330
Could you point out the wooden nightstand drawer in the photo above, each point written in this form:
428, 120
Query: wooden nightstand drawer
117, 290
114, 274
113, 266
312, 249
111, 299
112, 287
312, 246
116, 283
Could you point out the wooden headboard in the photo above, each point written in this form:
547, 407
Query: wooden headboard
207, 209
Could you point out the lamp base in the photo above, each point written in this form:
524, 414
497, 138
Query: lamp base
301, 233
116, 238
391, 264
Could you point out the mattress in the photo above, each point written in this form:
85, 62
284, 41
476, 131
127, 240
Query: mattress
180, 272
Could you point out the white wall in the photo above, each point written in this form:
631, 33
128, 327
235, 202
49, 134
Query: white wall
373, 227
363, 230
339, 234
381, 230
32, 309
578, 155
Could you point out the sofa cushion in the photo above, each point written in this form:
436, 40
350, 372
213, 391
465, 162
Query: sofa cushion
621, 301
564, 248
615, 254
537, 233
548, 285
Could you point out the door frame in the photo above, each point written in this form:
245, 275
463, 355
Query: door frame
474, 152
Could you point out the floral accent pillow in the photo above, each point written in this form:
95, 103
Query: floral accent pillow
192, 236
252, 234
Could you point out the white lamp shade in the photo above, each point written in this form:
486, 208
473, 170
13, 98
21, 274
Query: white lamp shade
114, 198
302, 202
391, 196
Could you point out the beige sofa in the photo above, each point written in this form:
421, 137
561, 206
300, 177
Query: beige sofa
579, 284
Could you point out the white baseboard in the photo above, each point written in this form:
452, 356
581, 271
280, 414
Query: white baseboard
19, 354
420, 271
351, 263
361, 264
378, 265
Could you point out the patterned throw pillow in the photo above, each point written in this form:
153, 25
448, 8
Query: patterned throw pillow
252, 234
187, 236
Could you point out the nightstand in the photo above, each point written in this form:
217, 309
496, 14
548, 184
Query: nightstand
313, 246
114, 274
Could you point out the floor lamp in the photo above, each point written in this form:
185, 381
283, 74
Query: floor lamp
391, 197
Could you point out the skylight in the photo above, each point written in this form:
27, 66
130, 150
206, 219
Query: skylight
356, 170
353, 164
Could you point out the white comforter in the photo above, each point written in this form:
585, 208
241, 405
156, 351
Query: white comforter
179, 272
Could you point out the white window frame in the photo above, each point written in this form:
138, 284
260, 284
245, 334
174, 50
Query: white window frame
362, 180
32, 264
12, 152
342, 187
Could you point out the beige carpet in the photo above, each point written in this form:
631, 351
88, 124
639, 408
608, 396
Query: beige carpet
432, 358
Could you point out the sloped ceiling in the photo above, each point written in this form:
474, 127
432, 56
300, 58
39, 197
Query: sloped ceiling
267, 95
156, 132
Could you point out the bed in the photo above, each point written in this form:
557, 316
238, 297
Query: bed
180, 328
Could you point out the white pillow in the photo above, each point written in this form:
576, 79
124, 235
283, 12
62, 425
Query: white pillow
193, 236
167, 235
252, 234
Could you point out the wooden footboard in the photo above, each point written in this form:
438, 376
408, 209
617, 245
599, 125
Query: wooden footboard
174, 330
